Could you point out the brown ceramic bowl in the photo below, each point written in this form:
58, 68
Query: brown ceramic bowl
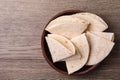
60, 66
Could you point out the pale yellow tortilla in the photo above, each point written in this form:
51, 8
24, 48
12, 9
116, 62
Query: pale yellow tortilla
107, 35
64, 41
67, 43
82, 44
100, 48
96, 17
96, 23
57, 50
67, 26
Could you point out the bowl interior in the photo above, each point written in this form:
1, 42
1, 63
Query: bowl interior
60, 66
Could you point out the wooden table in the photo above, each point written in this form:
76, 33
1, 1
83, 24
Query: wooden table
21, 26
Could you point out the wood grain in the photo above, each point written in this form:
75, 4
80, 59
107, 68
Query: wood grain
21, 26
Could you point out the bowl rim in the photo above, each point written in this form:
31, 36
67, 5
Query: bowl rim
43, 47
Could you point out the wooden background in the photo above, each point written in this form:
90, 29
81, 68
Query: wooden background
21, 26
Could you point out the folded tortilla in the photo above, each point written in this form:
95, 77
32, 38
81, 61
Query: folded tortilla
96, 23
100, 48
83, 48
96, 17
64, 41
67, 26
57, 50
106, 35
67, 43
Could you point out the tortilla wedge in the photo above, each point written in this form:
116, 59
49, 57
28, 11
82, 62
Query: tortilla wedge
96, 23
67, 26
64, 41
107, 35
82, 44
67, 43
100, 48
57, 50
96, 17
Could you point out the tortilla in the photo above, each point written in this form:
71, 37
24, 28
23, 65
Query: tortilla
64, 41
96, 17
107, 35
57, 50
82, 44
96, 23
67, 26
100, 48
67, 43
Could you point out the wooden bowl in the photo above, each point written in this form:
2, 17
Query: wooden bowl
60, 66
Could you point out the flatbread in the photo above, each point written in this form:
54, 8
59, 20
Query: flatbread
100, 48
67, 26
67, 43
82, 44
96, 23
96, 17
64, 41
57, 50
107, 35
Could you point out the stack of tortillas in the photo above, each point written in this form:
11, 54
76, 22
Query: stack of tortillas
79, 40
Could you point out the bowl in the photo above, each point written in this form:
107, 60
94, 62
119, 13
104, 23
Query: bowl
60, 66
